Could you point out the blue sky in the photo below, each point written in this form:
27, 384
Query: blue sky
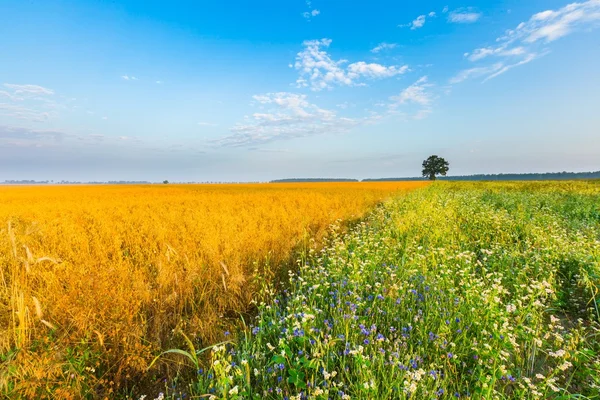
252, 91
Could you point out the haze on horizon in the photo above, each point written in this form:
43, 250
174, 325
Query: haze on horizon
254, 91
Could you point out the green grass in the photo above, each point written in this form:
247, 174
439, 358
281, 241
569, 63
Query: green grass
470, 290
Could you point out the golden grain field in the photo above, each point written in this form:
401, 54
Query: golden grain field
96, 280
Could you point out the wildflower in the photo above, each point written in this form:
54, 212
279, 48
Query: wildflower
557, 354
564, 366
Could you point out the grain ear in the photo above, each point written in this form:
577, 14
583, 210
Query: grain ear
38, 307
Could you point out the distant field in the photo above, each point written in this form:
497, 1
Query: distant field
96, 280
458, 290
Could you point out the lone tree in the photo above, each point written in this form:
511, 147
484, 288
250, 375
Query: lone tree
433, 166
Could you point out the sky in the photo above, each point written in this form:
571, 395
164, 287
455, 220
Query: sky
253, 91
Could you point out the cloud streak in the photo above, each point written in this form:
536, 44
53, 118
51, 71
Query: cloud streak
27, 102
383, 46
529, 40
415, 93
418, 22
418, 95
289, 116
28, 90
463, 16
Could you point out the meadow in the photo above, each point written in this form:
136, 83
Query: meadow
95, 281
457, 290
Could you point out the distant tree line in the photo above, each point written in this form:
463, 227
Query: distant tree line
297, 180
506, 177
63, 182
24, 182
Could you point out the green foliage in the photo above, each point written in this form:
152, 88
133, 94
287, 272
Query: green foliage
433, 166
192, 355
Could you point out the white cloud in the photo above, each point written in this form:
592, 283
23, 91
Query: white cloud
476, 72
529, 39
419, 21
530, 57
289, 116
129, 78
445, 10
374, 71
206, 124
311, 13
416, 93
319, 71
28, 102
28, 90
29, 113
550, 25
9, 95
484, 52
159, 82
463, 16
383, 46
